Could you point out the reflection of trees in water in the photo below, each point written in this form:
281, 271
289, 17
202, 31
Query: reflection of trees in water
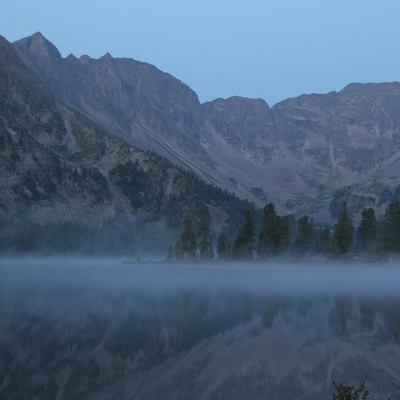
388, 309
82, 340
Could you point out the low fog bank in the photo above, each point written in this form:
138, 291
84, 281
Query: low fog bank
160, 278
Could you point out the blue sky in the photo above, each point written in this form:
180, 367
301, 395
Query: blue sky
254, 48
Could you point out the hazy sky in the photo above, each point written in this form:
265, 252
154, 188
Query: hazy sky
220, 48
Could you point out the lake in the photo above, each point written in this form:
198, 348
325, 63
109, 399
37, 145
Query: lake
104, 329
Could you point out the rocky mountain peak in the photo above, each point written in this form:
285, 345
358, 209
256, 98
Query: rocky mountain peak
106, 56
38, 44
125, 74
131, 99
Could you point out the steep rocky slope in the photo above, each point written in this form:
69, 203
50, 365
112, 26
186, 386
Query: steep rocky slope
146, 107
345, 140
58, 166
297, 154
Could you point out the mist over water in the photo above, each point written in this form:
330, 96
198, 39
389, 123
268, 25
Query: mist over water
104, 328
157, 278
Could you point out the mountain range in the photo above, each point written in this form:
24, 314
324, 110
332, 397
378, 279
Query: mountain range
57, 166
117, 117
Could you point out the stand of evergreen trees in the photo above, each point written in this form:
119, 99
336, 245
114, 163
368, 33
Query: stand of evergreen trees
260, 236
284, 236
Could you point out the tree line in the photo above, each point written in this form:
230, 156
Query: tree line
284, 235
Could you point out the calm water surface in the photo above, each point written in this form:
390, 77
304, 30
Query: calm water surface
79, 328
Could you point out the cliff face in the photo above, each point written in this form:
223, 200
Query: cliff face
297, 154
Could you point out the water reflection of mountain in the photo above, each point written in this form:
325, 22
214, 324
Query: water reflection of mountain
122, 332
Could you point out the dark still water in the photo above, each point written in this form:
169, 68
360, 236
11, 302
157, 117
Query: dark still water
101, 329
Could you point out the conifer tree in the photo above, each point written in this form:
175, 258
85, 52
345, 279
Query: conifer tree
223, 247
187, 241
305, 237
367, 230
269, 237
343, 234
244, 244
284, 233
205, 244
389, 229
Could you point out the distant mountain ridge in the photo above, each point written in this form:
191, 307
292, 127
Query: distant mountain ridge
297, 154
